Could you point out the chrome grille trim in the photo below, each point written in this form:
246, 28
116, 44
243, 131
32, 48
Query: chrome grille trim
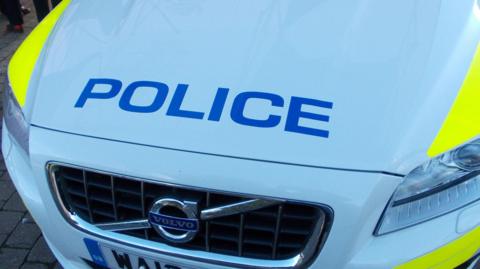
124, 225
301, 260
206, 214
237, 208
85, 189
277, 232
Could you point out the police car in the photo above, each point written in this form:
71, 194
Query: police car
250, 134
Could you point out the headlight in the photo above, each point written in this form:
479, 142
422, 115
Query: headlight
14, 118
437, 187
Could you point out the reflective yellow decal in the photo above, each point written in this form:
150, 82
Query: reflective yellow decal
25, 58
450, 255
463, 121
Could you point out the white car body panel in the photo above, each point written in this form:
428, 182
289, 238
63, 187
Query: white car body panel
383, 116
391, 69
357, 207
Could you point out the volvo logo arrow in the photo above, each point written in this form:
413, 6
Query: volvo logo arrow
176, 228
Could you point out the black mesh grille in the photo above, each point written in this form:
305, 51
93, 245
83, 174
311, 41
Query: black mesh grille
274, 233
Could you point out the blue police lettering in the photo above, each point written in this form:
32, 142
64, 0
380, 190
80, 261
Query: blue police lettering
88, 93
241, 100
175, 106
218, 104
295, 113
295, 110
157, 103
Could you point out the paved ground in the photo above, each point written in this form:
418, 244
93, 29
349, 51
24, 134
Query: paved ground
21, 243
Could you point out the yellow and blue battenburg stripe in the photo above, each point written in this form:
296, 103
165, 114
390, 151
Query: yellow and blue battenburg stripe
463, 121
25, 58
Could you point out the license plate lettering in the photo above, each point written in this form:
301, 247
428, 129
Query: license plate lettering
109, 257
127, 261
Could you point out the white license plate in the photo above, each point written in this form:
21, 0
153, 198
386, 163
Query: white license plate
113, 258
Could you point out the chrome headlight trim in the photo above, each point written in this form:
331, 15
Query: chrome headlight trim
14, 118
435, 188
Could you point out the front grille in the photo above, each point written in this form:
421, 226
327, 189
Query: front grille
276, 232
